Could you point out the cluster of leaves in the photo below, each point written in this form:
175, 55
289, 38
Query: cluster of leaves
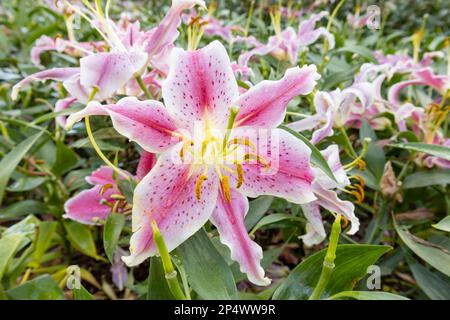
42, 166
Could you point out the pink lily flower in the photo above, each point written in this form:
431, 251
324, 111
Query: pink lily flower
339, 109
357, 21
286, 44
424, 76
213, 27
395, 63
327, 198
424, 126
210, 176
110, 72
78, 49
92, 206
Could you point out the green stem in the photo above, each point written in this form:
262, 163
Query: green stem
233, 114
143, 87
352, 151
94, 143
330, 22
171, 273
328, 262
249, 17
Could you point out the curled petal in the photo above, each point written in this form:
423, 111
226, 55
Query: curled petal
307, 34
168, 195
324, 131
44, 43
57, 74
228, 217
331, 155
424, 76
330, 201
146, 163
200, 83
109, 72
61, 105
260, 50
101, 176
315, 232
265, 104
75, 89
166, 32
307, 123
86, 207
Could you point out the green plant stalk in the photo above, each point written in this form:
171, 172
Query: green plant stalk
94, 143
170, 272
328, 262
249, 17
143, 87
348, 143
330, 22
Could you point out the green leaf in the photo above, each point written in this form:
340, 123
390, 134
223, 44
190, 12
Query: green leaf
426, 178
436, 286
358, 49
273, 218
367, 295
207, 271
12, 159
8, 246
26, 183
257, 209
40, 288
429, 252
444, 224
157, 284
408, 135
46, 232
22, 208
80, 236
111, 233
374, 156
351, 265
66, 159
316, 157
433, 149
82, 294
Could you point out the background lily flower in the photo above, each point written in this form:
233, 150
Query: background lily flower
424, 76
92, 206
109, 72
340, 108
323, 187
186, 187
211, 26
287, 44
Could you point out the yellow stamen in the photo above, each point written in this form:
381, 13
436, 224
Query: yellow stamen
226, 188
240, 174
344, 222
244, 141
105, 188
258, 158
198, 186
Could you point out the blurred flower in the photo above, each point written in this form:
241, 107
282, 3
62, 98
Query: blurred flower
339, 108
286, 44
92, 206
323, 188
130, 51
119, 271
